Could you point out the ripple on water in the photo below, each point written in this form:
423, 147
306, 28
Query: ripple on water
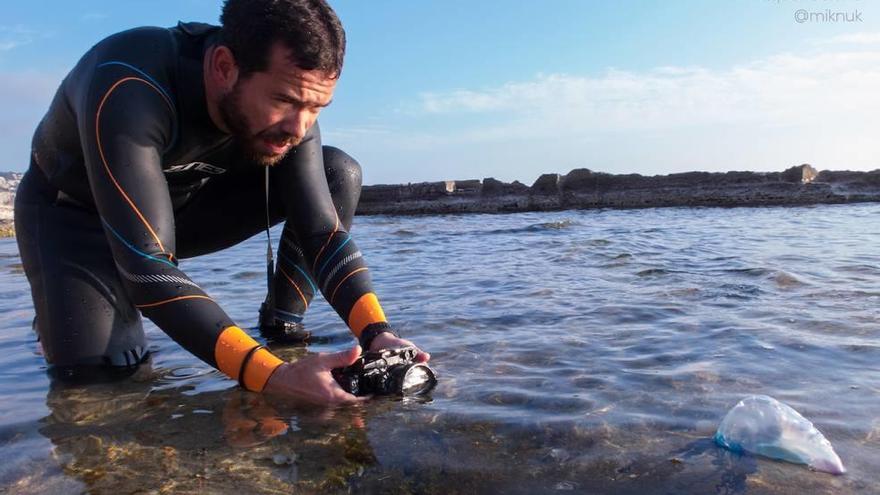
535, 228
248, 275
184, 373
750, 272
516, 402
738, 291
654, 272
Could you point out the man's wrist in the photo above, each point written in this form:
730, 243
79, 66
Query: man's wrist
275, 382
372, 331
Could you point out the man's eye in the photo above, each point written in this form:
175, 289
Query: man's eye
284, 101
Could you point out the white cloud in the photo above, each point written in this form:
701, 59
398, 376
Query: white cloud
781, 91
768, 114
364, 131
14, 36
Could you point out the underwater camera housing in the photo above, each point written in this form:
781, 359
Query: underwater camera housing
386, 372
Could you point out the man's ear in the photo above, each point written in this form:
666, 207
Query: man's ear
223, 68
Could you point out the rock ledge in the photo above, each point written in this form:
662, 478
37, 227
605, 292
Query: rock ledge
584, 188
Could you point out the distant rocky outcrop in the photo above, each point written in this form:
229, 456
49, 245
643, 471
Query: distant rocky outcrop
8, 184
584, 188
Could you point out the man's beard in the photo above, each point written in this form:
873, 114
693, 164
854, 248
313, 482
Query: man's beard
233, 116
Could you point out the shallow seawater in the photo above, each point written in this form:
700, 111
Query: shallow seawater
583, 351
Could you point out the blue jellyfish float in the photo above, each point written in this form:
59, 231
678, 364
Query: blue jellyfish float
764, 426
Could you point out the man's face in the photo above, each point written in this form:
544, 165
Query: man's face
270, 112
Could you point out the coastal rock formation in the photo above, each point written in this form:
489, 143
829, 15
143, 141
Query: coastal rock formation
493, 187
803, 174
546, 185
8, 184
584, 188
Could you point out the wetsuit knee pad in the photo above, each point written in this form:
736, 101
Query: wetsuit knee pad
345, 178
342, 169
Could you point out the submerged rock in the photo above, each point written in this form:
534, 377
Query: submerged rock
764, 426
283, 460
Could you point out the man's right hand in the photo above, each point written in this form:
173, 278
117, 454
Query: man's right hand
309, 379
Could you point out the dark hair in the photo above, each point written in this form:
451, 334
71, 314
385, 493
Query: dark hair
309, 28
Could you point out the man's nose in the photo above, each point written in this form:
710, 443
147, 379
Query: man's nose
296, 125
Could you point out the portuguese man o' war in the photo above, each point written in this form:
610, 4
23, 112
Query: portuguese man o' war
764, 426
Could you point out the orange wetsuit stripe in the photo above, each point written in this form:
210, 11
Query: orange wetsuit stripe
305, 302
333, 296
166, 301
365, 312
230, 350
318, 257
104, 159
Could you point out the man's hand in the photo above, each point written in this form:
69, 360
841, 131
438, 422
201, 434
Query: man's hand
309, 379
387, 340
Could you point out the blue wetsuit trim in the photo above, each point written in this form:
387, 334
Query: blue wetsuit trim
304, 274
134, 249
116, 62
330, 258
158, 86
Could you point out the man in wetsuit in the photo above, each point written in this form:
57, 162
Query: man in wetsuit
161, 144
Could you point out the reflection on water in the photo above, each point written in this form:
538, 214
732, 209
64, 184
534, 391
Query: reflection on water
586, 351
114, 437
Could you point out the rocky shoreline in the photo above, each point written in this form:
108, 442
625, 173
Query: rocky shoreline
585, 189
8, 184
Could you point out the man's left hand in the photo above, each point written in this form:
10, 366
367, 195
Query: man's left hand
387, 340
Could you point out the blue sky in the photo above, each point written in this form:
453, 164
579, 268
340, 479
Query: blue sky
437, 90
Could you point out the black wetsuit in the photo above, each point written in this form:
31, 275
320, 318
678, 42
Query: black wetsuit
130, 174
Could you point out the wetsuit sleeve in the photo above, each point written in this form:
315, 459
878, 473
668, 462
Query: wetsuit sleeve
336, 264
126, 121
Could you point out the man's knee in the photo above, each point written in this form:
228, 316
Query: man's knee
343, 171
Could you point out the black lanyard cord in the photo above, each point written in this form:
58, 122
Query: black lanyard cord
270, 261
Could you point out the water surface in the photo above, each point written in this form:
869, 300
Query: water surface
586, 351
